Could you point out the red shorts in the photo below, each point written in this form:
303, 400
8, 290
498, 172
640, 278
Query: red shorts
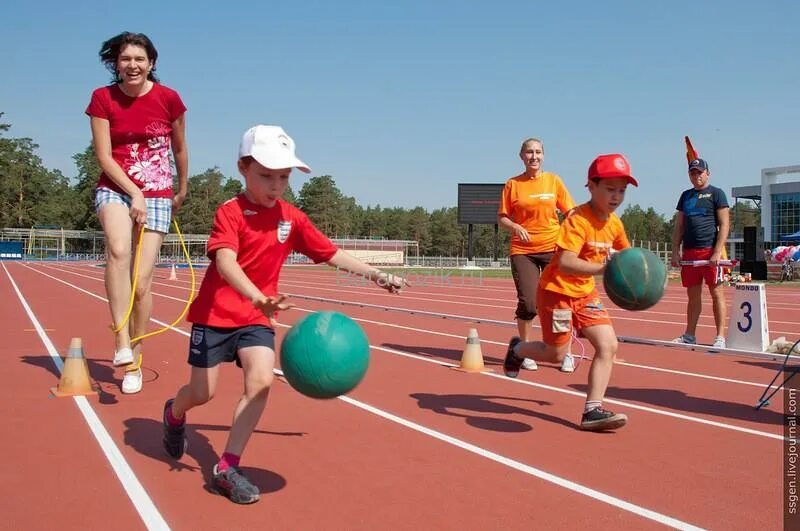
694, 275
558, 313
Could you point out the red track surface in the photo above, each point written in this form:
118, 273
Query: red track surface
472, 451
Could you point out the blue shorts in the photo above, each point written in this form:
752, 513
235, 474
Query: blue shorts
209, 345
159, 209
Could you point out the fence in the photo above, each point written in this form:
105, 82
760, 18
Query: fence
63, 244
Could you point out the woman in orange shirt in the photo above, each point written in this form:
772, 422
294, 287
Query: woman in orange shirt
529, 210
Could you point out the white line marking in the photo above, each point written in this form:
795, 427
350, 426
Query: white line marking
527, 469
516, 381
583, 396
136, 492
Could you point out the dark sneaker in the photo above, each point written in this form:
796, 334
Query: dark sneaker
600, 419
512, 363
174, 436
233, 485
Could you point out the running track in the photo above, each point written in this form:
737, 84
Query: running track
418, 445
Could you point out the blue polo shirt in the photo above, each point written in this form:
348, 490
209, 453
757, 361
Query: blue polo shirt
700, 216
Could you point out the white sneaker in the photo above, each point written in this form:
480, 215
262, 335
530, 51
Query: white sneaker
132, 382
685, 339
123, 356
568, 365
719, 342
529, 365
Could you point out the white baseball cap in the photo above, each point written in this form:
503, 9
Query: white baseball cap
271, 147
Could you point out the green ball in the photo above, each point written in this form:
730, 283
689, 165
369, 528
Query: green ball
635, 279
325, 355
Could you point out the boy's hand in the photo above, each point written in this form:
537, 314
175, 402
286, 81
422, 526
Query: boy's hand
269, 305
676, 260
715, 258
391, 283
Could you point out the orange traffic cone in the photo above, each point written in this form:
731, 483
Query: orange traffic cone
472, 357
75, 374
172, 275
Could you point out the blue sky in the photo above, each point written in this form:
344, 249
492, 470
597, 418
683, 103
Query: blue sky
400, 101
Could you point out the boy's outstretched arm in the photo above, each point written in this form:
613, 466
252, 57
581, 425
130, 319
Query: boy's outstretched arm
348, 262
233, 274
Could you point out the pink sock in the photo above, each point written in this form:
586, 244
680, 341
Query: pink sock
172, 420
226, 461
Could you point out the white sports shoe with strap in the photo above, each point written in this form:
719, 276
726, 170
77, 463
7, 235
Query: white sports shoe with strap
132, 381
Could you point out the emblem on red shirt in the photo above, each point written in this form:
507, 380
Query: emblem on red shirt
284, 228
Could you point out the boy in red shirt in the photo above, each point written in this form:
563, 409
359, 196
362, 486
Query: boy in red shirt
253, 234
567, 296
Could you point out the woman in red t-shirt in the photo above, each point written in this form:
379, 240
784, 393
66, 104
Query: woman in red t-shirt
135, 122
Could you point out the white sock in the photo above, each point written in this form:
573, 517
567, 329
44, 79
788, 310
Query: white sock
592, 404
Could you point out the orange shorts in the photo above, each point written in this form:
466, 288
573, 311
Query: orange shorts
558, 313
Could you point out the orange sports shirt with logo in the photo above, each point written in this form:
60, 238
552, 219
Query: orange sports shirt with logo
532, 203
592, 240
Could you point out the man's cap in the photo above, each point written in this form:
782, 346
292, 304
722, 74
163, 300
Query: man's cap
698, 164
271, 147
611, 166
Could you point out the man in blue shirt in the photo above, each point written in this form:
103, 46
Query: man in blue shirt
702, 224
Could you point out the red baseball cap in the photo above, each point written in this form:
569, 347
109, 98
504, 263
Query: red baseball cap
611, 166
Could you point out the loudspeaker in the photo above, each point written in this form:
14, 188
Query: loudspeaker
759, 270
753, 244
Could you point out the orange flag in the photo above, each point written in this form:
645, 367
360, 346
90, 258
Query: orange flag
691, 154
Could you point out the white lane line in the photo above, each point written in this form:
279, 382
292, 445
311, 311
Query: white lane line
141, 500
527, 469
546, 476
516, 381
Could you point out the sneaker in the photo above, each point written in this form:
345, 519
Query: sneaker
174, 440
568, 365
123, 356
233, 485
600, 419
132, 382
719, 342
512, 363
685, 339
530, 365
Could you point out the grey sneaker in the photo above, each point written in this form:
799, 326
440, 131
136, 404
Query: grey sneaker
685, 339
600, 419
174, 436
235, 486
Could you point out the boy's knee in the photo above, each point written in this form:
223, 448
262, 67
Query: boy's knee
260, 383
607, 348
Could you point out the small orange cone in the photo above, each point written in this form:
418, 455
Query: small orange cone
172, 275
472, 358
75, 379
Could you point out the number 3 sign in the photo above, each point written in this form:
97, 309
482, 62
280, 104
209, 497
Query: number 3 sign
748, 328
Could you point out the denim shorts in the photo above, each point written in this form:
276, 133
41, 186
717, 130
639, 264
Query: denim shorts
209, 345
159, 209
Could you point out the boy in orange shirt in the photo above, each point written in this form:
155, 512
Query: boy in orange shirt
567, 296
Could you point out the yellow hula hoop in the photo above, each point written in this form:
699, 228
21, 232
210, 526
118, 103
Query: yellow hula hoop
133, 285
133, 289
